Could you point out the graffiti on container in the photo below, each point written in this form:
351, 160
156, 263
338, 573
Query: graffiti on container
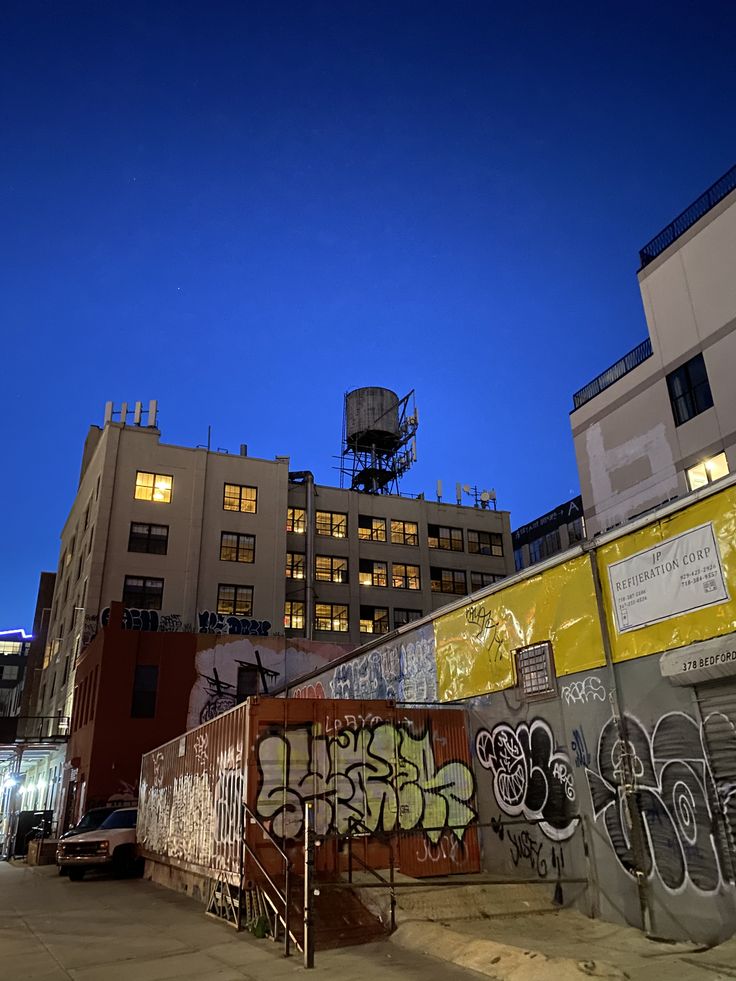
446, 849
308, 691
579, 747
682, 840
211, 622
191, 818
200, 749
531, 778
229, 799
383, 776
590, 689
486, 629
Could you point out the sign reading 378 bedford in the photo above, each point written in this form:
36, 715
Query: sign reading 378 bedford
676, 576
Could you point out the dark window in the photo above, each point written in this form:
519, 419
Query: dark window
448, 581
438, 536
485, 543
237, 548
142, 593
371, 529
145, 684
480, 579
237, 497
405, 576
542, 548
373, 620
247, 681
234, 600
404, 532
331, 568
120, 819
332, 523
405, 616
372, 573
148, 538
689, 390
576, 530
296, 521
535, 670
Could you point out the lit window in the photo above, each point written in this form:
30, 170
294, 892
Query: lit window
373, 620
296, 521
485, 543
447, 538
480, 579
143, 593
405, 576
371, 529
535, 670
234, 600
372, 573
448, 581
405, 616
295, 565
331, 568
404, 532
707, 471
239, 498
294, 615
153, 487
148, 538
331, 616
689, 390
332, 524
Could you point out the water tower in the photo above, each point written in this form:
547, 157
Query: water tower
378, 439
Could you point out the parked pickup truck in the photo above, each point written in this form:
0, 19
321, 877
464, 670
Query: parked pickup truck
112, 846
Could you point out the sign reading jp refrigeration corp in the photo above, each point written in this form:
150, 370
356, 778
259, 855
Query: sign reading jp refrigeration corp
676, 576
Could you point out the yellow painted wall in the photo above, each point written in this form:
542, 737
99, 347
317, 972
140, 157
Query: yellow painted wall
474, 645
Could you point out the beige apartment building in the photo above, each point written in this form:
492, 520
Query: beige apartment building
661, 422
190, 539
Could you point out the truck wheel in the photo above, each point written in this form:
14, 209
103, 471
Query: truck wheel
76, 875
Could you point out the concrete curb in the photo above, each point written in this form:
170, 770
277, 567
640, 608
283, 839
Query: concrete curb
502, 962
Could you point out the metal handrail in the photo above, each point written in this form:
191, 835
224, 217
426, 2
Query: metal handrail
622, 367
285, 897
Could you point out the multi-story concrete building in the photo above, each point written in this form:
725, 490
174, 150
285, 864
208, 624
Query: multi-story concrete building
553, 532
661, 422
190, 539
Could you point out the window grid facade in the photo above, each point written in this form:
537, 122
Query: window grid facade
373, 620
404, 532
295, 565
294, 615
448, 581
485, 543
234, 600
371, 529
405, 576
235, 547
331, 616
240, 497
372, 573
330, 568
296, 521
332, 524
153, 487
449, 539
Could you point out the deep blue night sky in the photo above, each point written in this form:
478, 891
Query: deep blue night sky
245, 209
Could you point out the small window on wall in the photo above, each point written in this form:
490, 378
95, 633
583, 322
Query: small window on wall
234, 600
148, 538
331, 616
143, 593
402, 617
373, 620
332, 524
707, 471
451, 539
237, 548
144, 691
371, 529
153, 487
294, 615
535, 671
237, 497
689, 390
331, 568
296, 521
295, 562
485, 543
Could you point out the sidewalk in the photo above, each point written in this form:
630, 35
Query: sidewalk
130, 930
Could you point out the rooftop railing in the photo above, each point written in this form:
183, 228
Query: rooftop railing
709, 199
606, 378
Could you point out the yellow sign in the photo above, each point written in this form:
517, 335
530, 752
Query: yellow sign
475, 644
674, 580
